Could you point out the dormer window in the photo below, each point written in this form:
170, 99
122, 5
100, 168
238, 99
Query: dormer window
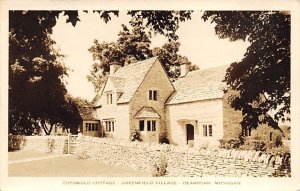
153, 94
109, 98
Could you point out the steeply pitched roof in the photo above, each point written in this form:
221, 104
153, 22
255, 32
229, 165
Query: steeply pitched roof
87, 113
133, 75
128, 78
147, 112
199, 85
99, 92
117, 82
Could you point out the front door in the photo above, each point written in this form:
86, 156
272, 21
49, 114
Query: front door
190, 134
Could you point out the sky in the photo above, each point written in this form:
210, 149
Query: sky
198, 42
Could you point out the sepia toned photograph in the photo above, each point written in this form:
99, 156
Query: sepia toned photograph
174, 93
156, 110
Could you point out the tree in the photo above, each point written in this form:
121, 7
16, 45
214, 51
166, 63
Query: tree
171, 60
163, 22
132, 46
262, 78
36, 71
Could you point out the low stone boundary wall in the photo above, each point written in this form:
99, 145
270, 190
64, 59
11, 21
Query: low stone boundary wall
182, 161
47, 144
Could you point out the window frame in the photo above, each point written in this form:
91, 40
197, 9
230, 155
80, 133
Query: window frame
86, 126
141, 121
148, 125
109, 126
153, 125
109, 98
204, 130
207, 130
150, 95
153, 95
92, 126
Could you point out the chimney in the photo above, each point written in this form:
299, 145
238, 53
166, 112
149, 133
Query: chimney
113, 67
184, 69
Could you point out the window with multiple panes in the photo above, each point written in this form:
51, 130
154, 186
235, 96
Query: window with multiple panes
153, 95
110, 126
109, 98
207, 130
92, 127
151, 125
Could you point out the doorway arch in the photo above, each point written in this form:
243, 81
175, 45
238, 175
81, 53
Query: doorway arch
190, 135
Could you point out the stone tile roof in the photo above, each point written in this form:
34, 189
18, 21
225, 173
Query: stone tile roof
127, 79
147, 112
87, 113
132, 76
118, 83
99, 92
199, 85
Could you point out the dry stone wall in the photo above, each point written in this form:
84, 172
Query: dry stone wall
181, 161
47, 144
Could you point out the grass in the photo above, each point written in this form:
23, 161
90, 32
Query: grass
66, 166
21, 155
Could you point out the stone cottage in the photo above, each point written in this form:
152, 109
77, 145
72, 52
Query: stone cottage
89, 124
140, 96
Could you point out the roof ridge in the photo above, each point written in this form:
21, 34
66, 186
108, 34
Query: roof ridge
138, 62
199, 85
207, 69
116, 77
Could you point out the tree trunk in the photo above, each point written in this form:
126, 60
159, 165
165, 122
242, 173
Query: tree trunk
45, 128
50, 130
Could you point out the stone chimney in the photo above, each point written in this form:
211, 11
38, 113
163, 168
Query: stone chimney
113, 67
184, 69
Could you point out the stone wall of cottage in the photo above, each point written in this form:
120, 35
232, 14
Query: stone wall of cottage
233, 128
156, 79
94, 133
267, 133
43, 144
116, 112
231, 119
181, 161
198, 114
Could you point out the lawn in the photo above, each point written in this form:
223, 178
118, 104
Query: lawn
24, 155
65, 166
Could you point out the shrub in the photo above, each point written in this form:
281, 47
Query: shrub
254, 144
16, 142
160, 167
136, 136
282, 150
204, 145
278, 141
163, 139
230, 143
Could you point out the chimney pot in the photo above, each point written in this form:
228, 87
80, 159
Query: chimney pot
113, 67
184, 69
